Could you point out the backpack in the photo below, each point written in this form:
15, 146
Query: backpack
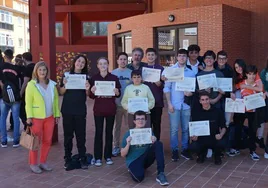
10, 93
75, 163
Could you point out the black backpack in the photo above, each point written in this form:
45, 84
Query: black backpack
10, 93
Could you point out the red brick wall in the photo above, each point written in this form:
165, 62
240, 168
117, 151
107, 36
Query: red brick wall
210, 27
258, 24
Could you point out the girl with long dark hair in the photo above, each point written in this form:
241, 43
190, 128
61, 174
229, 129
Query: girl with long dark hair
74, 112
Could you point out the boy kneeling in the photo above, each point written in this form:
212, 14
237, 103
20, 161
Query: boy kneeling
140, 157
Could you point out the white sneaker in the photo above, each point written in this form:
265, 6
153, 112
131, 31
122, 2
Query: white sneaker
254, 156
209, 153
266, 155
98, 163
109, 161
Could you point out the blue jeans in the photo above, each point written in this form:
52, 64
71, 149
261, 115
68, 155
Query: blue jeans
181, 117
15, 108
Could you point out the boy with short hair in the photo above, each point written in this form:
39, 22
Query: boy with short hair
157, 90
124, 76
137, 90
178, 110
194, 60
141, 157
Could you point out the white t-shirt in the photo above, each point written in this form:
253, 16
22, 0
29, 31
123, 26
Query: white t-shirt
47, 96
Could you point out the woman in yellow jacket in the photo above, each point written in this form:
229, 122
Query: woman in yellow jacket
42, 109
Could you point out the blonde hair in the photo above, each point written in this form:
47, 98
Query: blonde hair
36, 67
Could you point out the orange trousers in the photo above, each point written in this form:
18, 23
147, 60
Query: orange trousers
43, 128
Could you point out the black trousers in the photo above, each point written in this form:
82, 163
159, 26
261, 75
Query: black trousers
154, 152
239, 122
22, 115
74, 124
156, 115
98, 141
204, 143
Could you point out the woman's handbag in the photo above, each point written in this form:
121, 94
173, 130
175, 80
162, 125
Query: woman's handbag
29, 140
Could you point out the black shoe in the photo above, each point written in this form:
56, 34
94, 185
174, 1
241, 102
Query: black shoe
200, 159
83, 162
260, 141
186, 154
67, 163
175, 155
218, 160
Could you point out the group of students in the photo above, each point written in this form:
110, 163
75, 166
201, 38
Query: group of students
42, 110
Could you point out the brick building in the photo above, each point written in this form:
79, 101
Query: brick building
237, 26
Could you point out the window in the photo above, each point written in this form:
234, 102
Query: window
95, 28
123, 43
59, 29
20, 42
170, 39
6, 17
20, 21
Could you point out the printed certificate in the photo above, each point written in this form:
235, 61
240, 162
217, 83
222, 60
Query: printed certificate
173, 74
254, 101
199, 128
237, 106
105, 88
75, 81
141, 136
188, 84
225, 84
150, 75
207, 81
136, 104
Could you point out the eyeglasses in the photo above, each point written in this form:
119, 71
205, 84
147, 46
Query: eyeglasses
222, 59
140, 119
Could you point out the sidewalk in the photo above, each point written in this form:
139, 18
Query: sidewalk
238, 171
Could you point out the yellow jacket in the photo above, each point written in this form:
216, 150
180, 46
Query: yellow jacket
35, 104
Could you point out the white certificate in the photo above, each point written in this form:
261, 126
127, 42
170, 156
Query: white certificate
141, 136
173, 74
75, 81
105, 88
136, 104
207, 81
150, 75
237, 106
254, 101
199, 128
225, 84
188, 84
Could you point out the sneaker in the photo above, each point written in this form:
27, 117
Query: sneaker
98, 163
233, 152
116, 151
83, 163
266, 155
161, 179
4, 144
186, 154
209, 153
93, 161
45, 167
254, 156
218, 160
175, 155
16, 144
36, 169
260, 142
109, 161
